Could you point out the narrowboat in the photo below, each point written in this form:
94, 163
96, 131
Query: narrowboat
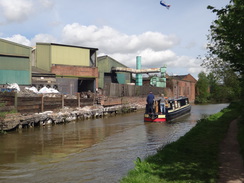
167, 109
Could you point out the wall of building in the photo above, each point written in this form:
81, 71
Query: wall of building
14, 49
72, 64
43, 56
184, 88
15, 70
67, 85
66, 70
70, 55
15, 66
87, 74
105, 63
48, 54
121, 90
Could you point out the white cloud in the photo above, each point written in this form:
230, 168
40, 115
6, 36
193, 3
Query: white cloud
196, 70
48, 4
19, 39
16, 10
22, 10
44, 38
112, 41
153, 47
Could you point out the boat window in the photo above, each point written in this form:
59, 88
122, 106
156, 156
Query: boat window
176, 106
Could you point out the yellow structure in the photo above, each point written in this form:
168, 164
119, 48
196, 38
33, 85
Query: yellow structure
48, 54
75, 67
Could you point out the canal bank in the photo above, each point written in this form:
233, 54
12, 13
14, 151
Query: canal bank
192, 158
28, 109
14, 121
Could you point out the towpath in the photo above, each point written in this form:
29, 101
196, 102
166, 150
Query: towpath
231, 169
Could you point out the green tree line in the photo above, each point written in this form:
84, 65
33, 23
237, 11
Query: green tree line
225, 56
212, 89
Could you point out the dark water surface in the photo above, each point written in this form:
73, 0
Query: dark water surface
99, 150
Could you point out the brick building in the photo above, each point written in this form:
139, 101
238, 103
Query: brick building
182, 85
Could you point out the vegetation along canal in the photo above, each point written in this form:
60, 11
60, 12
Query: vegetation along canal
97, 150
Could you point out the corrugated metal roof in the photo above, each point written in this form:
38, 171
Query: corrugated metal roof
17, 44
106, 56
57, 44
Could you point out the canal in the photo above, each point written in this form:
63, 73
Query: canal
90, 151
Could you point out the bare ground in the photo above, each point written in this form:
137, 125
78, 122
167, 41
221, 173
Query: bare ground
231, 169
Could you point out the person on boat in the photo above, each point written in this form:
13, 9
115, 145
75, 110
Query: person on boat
162, 104
150, 101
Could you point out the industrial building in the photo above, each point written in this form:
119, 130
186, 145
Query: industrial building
15, 63
106, 73
75, 67
182, 85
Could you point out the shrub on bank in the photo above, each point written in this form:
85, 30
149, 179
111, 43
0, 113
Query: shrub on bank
192, 158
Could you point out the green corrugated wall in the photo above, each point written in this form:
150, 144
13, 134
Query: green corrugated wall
14, 49
15, 70
14, 63
15, 66
105, 63
19, 77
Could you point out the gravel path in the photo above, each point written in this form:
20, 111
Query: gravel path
231, 169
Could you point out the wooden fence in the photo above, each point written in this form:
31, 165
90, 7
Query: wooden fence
125, 90
30, 104
114, 94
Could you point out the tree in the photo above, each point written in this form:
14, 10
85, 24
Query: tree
202, 88
225, 56
214, 88
224, 89
227, 37
232, 86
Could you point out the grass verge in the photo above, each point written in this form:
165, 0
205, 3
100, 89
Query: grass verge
192, 158
3, 114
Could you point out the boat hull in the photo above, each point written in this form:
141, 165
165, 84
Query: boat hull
154, 118
178, 112
172, 114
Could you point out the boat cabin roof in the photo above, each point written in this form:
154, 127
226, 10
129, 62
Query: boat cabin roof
178, 99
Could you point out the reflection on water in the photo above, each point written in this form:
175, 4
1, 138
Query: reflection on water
100, 150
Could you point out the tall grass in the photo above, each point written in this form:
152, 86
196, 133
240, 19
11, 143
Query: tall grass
192, 158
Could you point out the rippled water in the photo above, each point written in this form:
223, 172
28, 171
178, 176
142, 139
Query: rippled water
99, 150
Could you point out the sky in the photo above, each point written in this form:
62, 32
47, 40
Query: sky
121, 29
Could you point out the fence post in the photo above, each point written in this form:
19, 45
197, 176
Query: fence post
78, 98
62, 98
42, 103
16, 100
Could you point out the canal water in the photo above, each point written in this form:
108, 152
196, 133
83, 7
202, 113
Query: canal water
90, 151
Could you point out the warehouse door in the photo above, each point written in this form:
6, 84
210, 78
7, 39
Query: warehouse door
84, 85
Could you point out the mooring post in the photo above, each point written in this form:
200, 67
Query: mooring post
78, 98
16, 100
42, 103
62, 97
